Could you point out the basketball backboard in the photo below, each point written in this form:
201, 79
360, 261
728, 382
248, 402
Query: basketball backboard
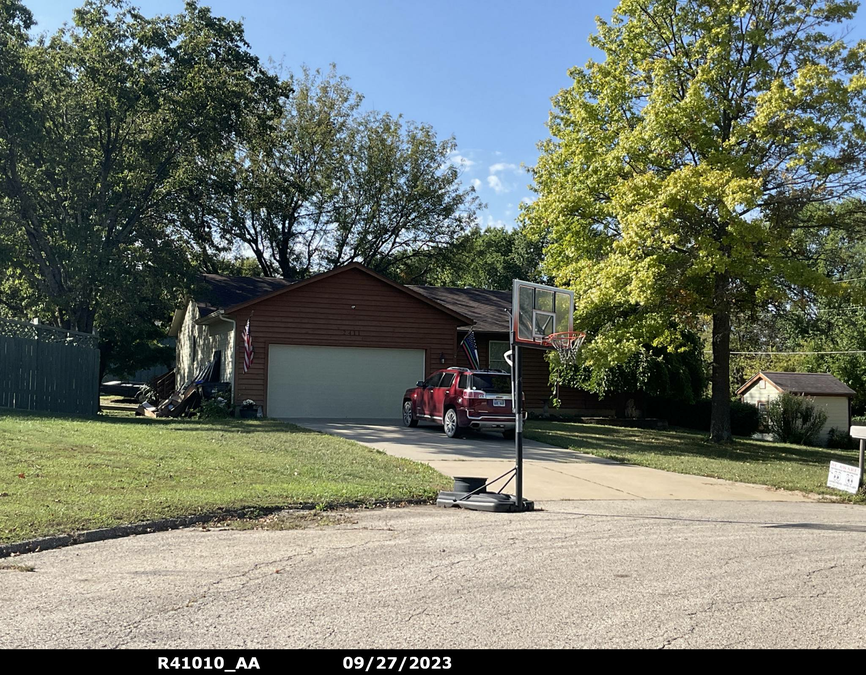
538, 311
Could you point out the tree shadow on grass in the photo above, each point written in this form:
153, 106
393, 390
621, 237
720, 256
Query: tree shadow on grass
618, 442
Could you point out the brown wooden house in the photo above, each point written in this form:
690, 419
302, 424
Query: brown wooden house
347, 343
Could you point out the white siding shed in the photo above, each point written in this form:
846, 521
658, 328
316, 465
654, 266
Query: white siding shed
823, 389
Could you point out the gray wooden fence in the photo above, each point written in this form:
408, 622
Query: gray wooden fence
48, 369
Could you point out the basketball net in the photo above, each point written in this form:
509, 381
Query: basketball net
567, 345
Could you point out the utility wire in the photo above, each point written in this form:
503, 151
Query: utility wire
853, 351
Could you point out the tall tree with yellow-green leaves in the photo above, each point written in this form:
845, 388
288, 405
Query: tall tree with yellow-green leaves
671, 188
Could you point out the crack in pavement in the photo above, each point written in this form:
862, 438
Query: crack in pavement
195, 599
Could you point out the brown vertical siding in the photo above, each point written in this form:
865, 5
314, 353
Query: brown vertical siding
321, 313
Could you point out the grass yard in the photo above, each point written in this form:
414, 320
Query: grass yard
790, 467
60, 475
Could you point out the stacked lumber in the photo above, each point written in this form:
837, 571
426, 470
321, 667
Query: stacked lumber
179, 403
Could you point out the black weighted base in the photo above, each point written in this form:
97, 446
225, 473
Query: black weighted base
484, 501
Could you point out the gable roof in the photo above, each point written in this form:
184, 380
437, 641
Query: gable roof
487, 309
810, 384
286, 286
222, 292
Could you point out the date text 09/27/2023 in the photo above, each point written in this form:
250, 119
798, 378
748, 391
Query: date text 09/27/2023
349, 663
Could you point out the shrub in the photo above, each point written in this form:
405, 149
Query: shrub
840, 439
214, 409
795, 419
745, 418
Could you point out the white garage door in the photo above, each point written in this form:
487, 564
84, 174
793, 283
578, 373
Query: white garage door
340, 382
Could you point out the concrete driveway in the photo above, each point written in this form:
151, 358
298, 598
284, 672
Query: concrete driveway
550, 473
578, 574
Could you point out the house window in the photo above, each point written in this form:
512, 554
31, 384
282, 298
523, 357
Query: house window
496, 355
762, 384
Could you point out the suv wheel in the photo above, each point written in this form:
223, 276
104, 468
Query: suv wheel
450, 424
408, 419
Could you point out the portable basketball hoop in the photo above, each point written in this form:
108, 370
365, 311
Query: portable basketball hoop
541, 318
567, 344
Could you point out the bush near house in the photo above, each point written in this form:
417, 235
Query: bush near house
841, 439
795, 419
745, 418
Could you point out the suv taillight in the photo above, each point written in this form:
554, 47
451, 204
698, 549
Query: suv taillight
473, 393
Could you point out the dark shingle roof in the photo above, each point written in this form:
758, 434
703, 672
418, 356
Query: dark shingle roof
487, 308
221, 292
814, 384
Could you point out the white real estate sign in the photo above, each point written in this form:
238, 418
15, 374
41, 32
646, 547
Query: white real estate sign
843, 477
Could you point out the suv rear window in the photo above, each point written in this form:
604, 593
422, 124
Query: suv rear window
447, 380
491, 384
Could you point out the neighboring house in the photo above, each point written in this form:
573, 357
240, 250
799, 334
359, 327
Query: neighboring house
347, 343
824, 390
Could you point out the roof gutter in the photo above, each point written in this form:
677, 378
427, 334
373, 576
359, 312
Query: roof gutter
213, 317
177, 321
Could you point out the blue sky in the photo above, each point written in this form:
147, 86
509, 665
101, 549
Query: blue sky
483, 71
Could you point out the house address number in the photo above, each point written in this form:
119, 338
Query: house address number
352, 332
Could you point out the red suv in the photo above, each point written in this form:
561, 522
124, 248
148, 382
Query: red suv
458, 398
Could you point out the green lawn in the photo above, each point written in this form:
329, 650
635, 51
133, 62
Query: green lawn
86, 473
779, 465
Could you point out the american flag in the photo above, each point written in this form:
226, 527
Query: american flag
248, 347
471, 350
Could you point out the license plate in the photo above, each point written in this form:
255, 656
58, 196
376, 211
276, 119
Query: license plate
498, 404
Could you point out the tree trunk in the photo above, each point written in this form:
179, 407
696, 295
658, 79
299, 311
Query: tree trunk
83, 318
720, 420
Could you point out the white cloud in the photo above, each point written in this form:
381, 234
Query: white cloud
502, 166
459, 160
476, 184
527, 200
496, 184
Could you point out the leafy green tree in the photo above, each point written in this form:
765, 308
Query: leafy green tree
101, 128
673, 375
329, 185
809, 322
491, 258
677, 166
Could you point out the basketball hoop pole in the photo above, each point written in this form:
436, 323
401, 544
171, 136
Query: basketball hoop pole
518, 429
517, 404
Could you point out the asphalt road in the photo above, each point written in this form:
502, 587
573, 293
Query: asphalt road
663, 574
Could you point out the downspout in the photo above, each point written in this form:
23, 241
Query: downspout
222, 317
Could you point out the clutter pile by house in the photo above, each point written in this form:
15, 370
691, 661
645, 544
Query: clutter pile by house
187, 399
